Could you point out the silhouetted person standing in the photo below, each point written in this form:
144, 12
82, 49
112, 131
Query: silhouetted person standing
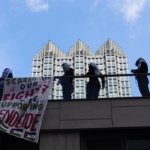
7, 73
67, 83
142, 79
93, 86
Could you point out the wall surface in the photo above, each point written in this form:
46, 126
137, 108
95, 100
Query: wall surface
96, 114
63, 120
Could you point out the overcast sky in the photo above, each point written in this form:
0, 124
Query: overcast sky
25, 25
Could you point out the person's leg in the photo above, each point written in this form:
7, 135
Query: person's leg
143, 85
144, 90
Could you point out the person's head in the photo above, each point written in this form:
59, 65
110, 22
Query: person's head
92, 66
65, 67
138, 61
7, 73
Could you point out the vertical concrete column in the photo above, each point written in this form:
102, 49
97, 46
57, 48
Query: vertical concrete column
73, 140
60, 141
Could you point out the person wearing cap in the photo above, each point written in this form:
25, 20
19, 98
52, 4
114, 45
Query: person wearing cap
93, 86
142, 79
67, 83
7, 73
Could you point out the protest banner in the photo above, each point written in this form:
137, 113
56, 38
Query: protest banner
22, 106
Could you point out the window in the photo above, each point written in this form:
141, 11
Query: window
34, 74
57, 67
115, 87
50, 59
77, 82
110, 88
124, 65
109, 69
127, 90
82, 89
57, 73
61, 93
110, 94
115, 81
116, 95
77, 53
113, 69
39, 62
92, 59
49, 97
34, 69
57, 97
35, 62
102, 91
82, 82
96, 60
77, 70
110, 81
61, 97
81, 64
77, 89
38, 68
121, 72
57, 93
77, 58
101, 67
82, 95
57, 87
50, 71
77, 95
81, 58
108, 52
101, 60
124, 60
113, 63
45, 59
51, 54
126, 83
119, 59
62, 61
112, 57
45, 65
45, 71
89, 60
122, 83
127, 95
50, 65
66, 61
123, 90
69, 61
125, 71
126, 78
81, 70
38, 74
62, 73
123, 95
120, 65
121, 78
77, 64
108, 63
108, 57
81, 53
58, 62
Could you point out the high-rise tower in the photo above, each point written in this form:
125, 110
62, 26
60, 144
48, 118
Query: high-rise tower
110, 59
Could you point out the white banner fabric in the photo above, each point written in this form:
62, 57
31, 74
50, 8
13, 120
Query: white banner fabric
22, 106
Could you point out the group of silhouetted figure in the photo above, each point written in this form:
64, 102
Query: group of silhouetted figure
93, 86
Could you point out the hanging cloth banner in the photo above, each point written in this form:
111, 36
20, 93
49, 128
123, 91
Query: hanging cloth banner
23, 105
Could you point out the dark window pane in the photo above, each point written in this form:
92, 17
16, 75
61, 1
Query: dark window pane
104, 145
139, 144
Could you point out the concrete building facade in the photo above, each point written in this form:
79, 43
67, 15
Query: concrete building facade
110, 59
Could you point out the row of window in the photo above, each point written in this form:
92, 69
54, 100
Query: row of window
95, 60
